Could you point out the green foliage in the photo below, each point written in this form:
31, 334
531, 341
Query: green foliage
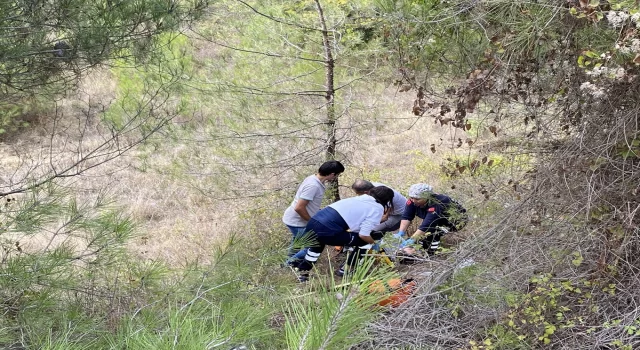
455, 165
601, 43
476, 127
54, 246
423, 163
259, 90
487, 165
334, 317
47, 46
523, 29
22, 114
81, 290
540, 313
431, 35
630, 148
231, 302
469, 286
159, 82
204, 322
499, 337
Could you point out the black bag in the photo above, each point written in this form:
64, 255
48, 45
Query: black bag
457, 215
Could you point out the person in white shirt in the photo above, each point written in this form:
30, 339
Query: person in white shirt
347, 222
390, 220
307, 202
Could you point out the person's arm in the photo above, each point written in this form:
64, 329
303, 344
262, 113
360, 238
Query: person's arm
404, 225
402, 231
367, 239
418, 235
372, 219
301, 209
385, 216
407, 216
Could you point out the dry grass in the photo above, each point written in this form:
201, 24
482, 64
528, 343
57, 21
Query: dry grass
389, 150
177, 223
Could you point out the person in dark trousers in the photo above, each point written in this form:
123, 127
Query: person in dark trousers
337, 224
435, 210
390, 220
307, 203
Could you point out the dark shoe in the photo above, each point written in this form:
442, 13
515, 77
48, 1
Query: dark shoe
291, 262
303, 277
339, 272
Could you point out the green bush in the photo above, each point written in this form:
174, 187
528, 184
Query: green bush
15, 116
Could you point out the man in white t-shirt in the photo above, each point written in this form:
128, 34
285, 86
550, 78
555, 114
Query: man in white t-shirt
307, 202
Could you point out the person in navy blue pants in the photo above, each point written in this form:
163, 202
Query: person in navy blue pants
347, 222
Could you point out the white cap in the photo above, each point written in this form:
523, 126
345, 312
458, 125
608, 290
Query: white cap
420, 190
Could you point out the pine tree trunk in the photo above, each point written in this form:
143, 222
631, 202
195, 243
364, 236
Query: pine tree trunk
330, 151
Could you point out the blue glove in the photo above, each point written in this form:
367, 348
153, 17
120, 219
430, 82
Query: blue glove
376, 247
409, 241
400, 234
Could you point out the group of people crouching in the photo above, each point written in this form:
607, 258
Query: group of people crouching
361, 221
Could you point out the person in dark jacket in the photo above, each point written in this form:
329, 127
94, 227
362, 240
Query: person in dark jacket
436, 211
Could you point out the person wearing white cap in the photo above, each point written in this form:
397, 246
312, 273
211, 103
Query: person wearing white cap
435, 210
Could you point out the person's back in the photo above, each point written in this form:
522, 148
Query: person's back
335, 225
399, 200
361, 213
442, 210
393, 215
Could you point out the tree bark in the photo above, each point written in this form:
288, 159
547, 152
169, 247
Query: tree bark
329, 63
